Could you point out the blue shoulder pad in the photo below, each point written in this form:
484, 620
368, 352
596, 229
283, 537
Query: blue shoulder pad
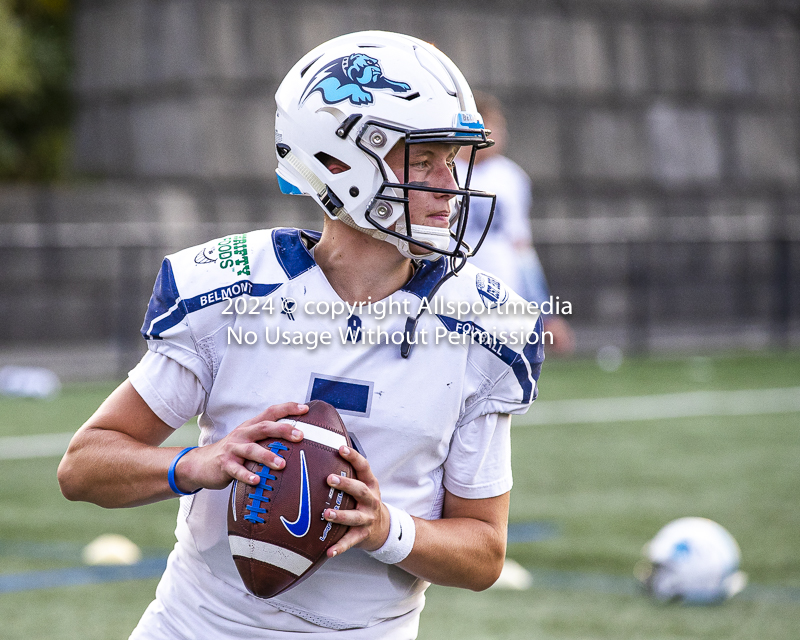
165, 309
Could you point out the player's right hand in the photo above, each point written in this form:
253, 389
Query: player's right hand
216, 465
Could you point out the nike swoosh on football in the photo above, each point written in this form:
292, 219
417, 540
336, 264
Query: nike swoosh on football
302, 524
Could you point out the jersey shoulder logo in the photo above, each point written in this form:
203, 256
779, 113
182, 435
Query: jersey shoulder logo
302, 523
493, 293
349, 78
206, 255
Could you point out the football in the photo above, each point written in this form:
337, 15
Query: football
276, 532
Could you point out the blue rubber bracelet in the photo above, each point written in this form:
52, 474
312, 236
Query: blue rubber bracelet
171, 473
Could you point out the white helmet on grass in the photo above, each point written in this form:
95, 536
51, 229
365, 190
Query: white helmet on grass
693, 560
350, 101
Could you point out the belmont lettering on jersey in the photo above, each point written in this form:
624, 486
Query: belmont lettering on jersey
231, 291
232, 251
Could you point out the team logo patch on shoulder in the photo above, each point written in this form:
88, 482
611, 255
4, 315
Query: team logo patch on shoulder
349, 78
207, 255
493, 292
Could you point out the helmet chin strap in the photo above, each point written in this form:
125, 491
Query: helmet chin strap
436, 237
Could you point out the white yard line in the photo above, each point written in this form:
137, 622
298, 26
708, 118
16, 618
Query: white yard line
38, 446
664, 406
50, 445
746, 402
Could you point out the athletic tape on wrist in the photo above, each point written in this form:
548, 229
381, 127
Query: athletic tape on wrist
171, 473
402, 532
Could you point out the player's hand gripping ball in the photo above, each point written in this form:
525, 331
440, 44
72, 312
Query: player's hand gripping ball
276, 531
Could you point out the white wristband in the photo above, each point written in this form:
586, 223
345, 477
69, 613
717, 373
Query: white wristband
402, 532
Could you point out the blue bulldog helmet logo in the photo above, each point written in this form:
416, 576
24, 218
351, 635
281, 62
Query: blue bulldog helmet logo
349, 78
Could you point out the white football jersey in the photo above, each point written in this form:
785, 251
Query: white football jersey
255, 321
511, 224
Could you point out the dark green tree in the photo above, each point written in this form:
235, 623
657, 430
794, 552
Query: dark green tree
35, 101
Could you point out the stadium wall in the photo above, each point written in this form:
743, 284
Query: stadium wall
662, 136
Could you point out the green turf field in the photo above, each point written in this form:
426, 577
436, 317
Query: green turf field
605, 489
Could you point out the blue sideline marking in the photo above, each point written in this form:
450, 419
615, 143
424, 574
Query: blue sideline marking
621, 585
531, 531
73, 576
542, 578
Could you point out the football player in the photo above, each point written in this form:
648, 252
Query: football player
368, 125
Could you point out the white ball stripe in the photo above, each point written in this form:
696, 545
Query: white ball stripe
269, 554
318, 434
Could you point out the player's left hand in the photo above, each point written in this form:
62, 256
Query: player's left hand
369, 521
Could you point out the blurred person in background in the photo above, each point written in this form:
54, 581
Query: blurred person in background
507, 252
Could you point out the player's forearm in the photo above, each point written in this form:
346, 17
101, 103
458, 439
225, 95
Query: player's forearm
113, 470
457, 552
114, 460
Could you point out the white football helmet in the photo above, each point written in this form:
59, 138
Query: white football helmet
693, 560
352, 99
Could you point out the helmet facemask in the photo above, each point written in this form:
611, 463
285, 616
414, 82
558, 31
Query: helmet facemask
393, 194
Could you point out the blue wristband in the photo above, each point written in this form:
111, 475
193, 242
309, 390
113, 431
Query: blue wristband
171, 473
